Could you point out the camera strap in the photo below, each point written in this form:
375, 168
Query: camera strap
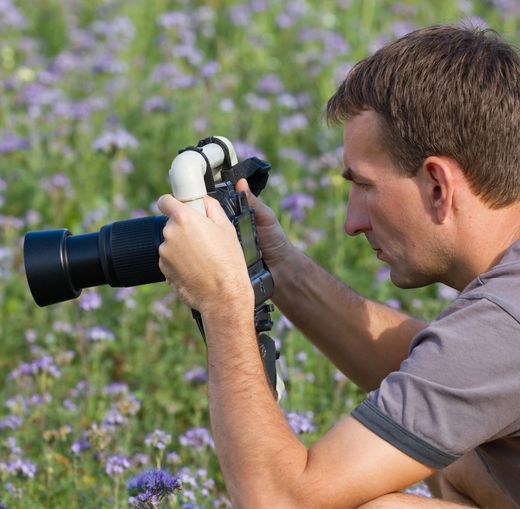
253, 169
209, 180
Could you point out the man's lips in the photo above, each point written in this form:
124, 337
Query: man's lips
377, 250
379, 254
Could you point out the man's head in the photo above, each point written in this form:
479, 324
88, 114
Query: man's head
440, 110
449, 91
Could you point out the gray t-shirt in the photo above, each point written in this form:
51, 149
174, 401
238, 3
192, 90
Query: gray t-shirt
459, 388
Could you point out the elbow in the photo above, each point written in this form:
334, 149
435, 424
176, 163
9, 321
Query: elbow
295, 497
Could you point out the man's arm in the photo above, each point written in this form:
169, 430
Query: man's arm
263, 462
365, 339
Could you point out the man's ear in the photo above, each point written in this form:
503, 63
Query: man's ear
440, 175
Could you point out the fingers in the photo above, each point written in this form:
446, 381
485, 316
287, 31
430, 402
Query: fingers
172, 207
167, 204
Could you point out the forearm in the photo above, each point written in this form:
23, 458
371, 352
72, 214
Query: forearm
259, 455
365, 339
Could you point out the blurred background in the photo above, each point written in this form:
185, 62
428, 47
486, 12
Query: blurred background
96, 98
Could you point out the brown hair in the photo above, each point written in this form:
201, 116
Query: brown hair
444, 90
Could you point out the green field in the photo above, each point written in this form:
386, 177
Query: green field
97, 97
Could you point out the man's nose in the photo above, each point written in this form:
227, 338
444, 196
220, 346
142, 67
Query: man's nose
357, 220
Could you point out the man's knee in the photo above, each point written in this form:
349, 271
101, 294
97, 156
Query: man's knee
466, 481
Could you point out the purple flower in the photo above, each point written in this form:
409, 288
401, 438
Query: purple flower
296, 204
90, 300
126, 295
240, 15
258, 103
245, 150
158, 439
43, 365
283, 20
270, 84
197, 437
447, 293
24, 468
39, 399
140, 459
10, 422
58, 181
162, 308
227, 104
393, 303
80, 445
165, 72
117, 139
507, 7
151, 486
383, 274
173, 19
69, 405
157, 103
113, 418
116, 465
301, 423
30, 335
284, 323
293, 154
116, 389
292, 123
209, 69
119, 31
10, 142
197, 374
100, 333
10, 16
173, 458
301, 356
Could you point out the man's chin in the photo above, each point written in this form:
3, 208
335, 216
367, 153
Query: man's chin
409, 281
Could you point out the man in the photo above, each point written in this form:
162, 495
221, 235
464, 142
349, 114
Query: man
431, 148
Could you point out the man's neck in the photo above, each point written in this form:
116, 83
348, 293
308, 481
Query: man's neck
483, 244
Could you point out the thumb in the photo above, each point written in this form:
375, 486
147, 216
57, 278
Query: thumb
243, 185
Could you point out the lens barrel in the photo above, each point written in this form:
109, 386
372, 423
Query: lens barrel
58, 265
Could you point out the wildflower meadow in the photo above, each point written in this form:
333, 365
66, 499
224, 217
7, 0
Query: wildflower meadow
103, 398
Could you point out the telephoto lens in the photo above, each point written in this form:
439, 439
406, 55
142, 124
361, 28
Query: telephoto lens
58, 265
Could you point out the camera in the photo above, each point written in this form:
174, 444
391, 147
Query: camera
58, 265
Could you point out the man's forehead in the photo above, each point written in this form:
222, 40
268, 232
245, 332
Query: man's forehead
363, 129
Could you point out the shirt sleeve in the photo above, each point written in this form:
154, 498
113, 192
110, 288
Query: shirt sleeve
458, 388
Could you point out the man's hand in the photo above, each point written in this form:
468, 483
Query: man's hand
202, 257
274, 244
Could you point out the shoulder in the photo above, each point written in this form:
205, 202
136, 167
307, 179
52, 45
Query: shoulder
458, 387
500, 285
